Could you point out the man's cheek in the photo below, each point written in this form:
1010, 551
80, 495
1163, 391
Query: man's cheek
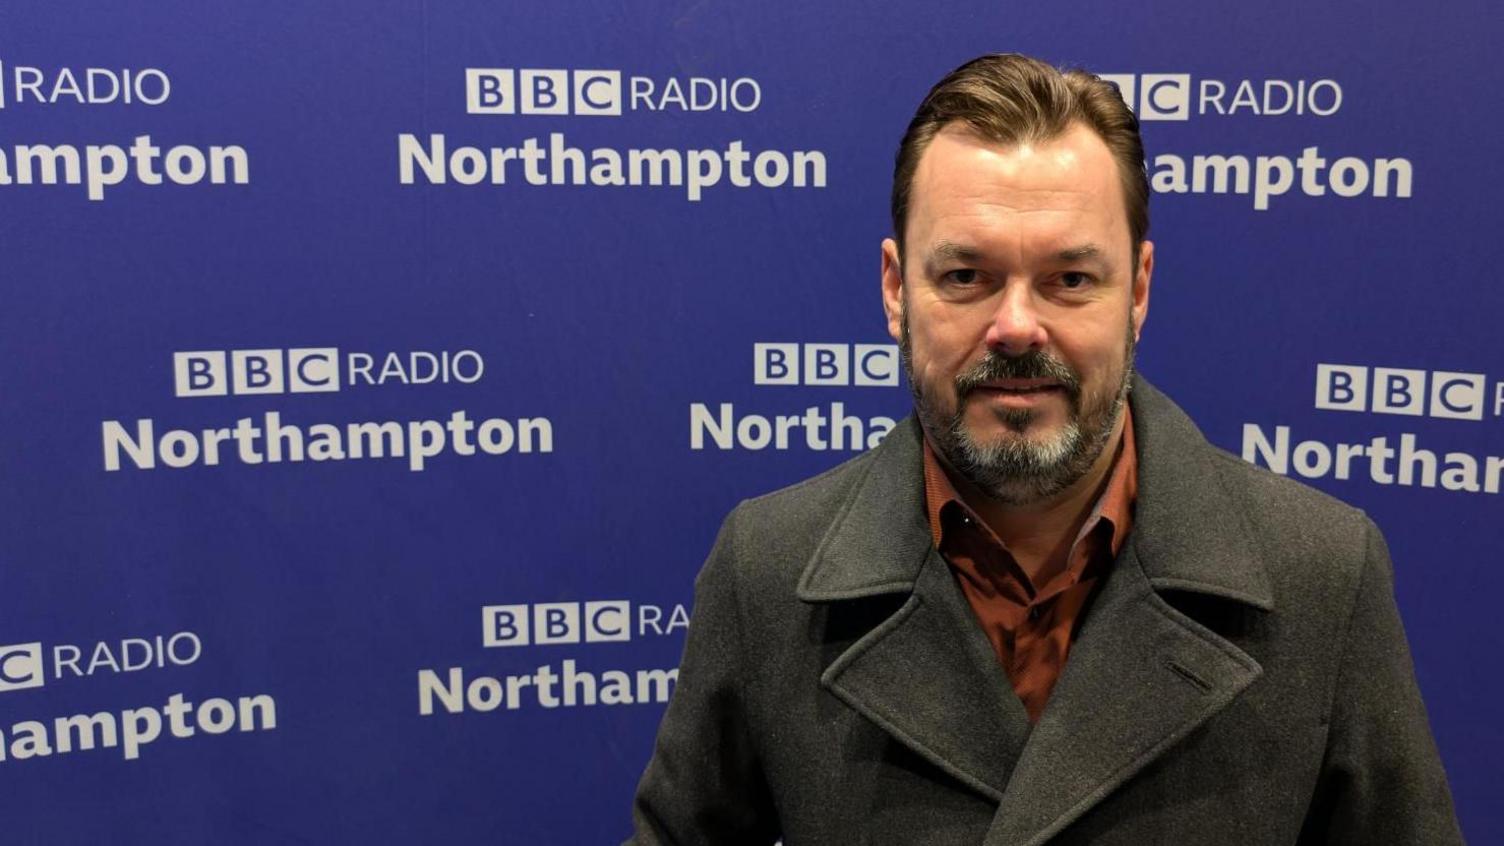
939, 385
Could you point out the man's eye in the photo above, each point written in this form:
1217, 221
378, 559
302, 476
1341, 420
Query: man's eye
962, 277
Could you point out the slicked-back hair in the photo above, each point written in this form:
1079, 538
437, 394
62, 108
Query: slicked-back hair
1012, 99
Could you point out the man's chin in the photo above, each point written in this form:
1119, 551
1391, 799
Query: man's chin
1010, 426
1030, 447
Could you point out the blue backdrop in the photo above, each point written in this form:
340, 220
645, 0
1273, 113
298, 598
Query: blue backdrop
375, 375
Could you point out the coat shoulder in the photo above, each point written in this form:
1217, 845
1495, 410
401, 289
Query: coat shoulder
1276, 499
824, 489
788, 524
1303, 533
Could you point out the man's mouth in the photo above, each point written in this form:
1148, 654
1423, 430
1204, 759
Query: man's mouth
1020, 386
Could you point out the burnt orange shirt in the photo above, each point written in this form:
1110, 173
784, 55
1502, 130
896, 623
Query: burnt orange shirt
1031, 626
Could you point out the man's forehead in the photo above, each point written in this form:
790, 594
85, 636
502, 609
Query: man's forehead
964, 179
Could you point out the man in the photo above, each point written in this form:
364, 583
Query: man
1045, 609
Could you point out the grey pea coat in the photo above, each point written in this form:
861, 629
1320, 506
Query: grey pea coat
1240, 678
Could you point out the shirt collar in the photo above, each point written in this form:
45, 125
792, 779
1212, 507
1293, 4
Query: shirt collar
1114, 507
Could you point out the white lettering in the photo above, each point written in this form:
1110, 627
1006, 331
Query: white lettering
557, 163
1273, 176
1409, 465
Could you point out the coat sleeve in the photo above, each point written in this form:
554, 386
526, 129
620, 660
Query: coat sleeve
705, 784
1382, 779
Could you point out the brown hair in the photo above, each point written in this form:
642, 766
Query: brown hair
1013, 99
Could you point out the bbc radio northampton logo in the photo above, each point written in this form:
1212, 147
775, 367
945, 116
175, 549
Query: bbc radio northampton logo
601, 93
819, 427
1434, 458
838, 365
21, 666
602, 621
140, 161
1176, 96
270, 439
217, 373
1441, 394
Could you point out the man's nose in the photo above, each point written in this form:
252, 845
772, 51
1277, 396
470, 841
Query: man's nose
1016, 328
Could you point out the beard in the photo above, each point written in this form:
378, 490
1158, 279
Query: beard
1016, 469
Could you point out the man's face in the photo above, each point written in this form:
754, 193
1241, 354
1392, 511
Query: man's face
1017, 306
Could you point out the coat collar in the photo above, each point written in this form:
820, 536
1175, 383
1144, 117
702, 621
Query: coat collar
1188, 531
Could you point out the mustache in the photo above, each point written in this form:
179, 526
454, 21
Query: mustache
1035, 364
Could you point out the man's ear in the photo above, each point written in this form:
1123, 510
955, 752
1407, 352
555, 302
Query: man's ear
1142, 276
892, 288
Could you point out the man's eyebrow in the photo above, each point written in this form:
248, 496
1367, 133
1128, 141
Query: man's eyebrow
1081, 253
946, 251
949, 250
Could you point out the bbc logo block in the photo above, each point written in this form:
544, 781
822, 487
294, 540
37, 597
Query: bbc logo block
1395, 390
1155, 96
863, 365
512, 91
547, 623
21, 666
217, 373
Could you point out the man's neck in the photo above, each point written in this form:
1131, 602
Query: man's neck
1042, 532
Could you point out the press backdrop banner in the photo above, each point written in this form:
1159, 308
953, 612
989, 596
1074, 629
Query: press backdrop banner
374, 376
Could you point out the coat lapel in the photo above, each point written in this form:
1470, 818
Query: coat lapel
1141, 675
926, 674
1139, 678
929, 678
